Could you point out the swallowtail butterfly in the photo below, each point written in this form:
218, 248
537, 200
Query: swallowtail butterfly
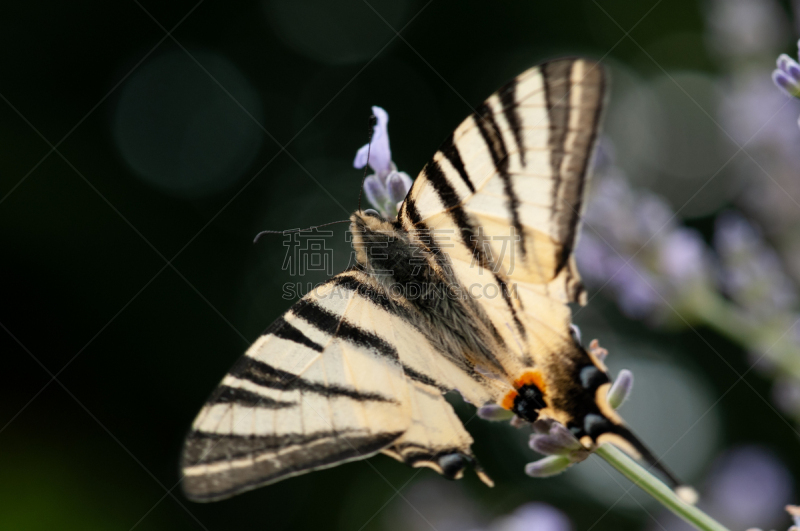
359, 365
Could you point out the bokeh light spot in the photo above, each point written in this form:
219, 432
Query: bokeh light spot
180, 131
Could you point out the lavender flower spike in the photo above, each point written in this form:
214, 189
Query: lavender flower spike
380, 155
554, 440
787, 75
560, 446
386, 188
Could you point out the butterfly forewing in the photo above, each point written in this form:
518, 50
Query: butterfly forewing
506, 192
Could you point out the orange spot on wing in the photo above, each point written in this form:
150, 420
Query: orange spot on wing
508, 400
531, 378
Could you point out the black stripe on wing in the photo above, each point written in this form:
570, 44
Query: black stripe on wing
351, 283
280, 328
260, 373
204, 448
558, 86
450, 151
493, 138
508, 98
330, 323
225, 394
326, 449
470, 237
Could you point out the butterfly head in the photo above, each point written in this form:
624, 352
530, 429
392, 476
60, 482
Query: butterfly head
373, 238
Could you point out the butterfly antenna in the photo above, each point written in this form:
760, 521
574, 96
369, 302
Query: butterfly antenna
372, 122
289, 231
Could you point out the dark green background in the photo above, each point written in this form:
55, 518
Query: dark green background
138, 344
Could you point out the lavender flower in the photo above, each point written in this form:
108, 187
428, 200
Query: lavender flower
633, 247
555, 441
751, 272
562, 448
787, 75
386, 188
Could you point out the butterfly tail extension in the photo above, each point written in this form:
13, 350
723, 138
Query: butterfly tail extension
622, 437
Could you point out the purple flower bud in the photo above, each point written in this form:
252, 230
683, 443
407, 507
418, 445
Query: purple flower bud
783, 81
545, 445
398, 184
380, 155
789, 66
787, 76
494, 412
376, 193
548, 466
552, 438
621, 389
561, 447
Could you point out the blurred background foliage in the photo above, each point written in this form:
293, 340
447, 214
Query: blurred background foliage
143, 148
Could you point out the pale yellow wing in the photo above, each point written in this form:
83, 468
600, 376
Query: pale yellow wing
339, 377
502, 200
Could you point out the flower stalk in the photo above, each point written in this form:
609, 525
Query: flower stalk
657, 489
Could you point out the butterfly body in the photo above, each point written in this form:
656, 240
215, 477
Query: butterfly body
467, 289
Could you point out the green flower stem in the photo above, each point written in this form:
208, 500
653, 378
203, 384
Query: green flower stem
658, 490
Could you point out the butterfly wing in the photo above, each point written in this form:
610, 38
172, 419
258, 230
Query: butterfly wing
339, 377
503, 195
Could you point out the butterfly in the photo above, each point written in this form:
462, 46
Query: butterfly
467, 289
